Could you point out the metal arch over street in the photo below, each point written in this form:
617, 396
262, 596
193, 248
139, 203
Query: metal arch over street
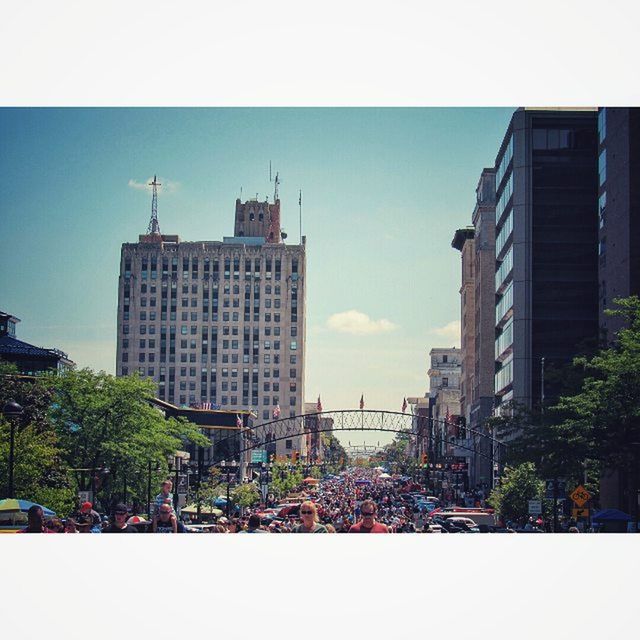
341, 420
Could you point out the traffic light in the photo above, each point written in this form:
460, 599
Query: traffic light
423, 459
273, 457
294, 457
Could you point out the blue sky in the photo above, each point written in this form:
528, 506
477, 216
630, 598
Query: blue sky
383, 192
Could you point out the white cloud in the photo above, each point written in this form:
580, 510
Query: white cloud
450, 332
166, 186
358, 323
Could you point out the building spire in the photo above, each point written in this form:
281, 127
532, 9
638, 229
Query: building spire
154, 226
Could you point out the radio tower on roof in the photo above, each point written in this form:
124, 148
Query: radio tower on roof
154, 226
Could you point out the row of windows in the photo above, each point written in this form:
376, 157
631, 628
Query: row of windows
505, 339
151, 262
268, 289
504, 162
602, 125
505, 232
602, 167
552, 139
193, 316
192, 358
505, 198
505, 303
602, 204
505, 269
504, 377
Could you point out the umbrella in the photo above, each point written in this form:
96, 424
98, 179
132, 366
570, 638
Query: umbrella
137, 520
384, 476
310, 480
13, 505
612, 515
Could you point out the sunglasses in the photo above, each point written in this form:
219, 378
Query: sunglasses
368, 514
307, 513
121, 513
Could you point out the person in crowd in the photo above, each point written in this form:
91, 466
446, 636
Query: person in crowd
86, 509
164, 496
164, 521
119, 524
368, 523
55, 525
36, 521
70, 526
253, 526
309, 519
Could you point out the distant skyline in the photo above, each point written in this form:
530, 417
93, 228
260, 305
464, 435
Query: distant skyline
383, 192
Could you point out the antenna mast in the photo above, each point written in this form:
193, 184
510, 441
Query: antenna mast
300, 207
275, 190
154, 226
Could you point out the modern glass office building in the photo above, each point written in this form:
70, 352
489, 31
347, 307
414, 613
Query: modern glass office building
546, 278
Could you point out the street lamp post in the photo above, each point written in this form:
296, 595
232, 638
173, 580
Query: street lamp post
11, 411
177, 463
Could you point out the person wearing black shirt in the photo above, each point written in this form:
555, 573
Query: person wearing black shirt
119, 524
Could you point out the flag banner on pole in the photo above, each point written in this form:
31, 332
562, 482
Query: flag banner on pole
362, 402
238, 421
404, 405
319, 405
276, 412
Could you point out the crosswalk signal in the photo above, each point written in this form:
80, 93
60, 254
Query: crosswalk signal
294, 457
423, 459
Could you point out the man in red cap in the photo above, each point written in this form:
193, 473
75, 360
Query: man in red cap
86, 510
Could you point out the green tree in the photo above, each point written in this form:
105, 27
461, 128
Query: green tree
396, 456
517, 486
104, 421
206, 492
40, 472
246, 495
285, 478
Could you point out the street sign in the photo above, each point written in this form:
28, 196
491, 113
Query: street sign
559, 492
580, 496
259, 456
579, 513
183, 484
85, 496
535, 507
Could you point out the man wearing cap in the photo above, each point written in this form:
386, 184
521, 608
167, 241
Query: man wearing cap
86, 509
119, 524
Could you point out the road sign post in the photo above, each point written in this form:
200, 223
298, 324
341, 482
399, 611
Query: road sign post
535, 507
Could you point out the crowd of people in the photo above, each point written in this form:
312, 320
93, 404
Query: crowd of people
357, 501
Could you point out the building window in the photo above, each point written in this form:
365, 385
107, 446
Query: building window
288, 444
602, 167
602, 125
445, 382
294, 345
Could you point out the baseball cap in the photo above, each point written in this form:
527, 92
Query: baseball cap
86, 505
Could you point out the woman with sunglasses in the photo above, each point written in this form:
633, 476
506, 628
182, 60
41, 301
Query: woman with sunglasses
309, 519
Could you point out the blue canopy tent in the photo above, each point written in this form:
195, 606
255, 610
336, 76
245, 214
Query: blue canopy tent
612, 515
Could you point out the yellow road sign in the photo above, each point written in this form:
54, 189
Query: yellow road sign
580, 496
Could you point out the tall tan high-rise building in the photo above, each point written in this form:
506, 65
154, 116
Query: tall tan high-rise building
218, 325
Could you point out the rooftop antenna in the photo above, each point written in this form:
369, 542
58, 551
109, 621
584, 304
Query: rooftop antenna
240, 194
300, 207
275, 191
154, 226
270, 180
